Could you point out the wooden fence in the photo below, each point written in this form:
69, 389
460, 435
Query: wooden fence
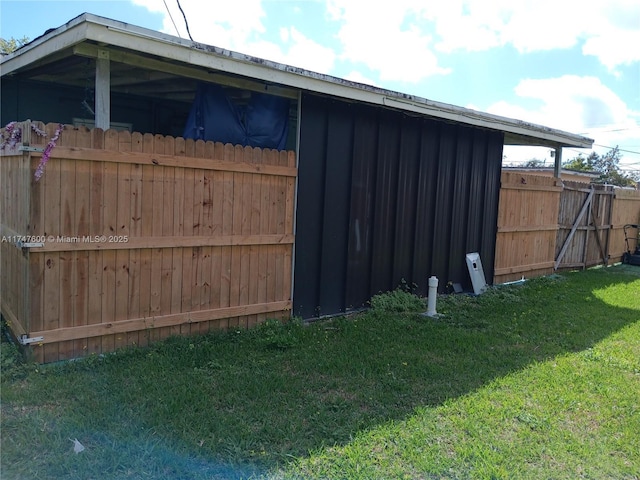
545, 224
132, 238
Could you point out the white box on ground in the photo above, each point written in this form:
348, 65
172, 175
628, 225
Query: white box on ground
476, 273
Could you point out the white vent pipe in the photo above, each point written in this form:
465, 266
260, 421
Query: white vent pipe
431, 301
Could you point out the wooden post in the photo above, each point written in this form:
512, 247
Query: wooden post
25, 221
585, 244
609, 222
558, 162
103, 89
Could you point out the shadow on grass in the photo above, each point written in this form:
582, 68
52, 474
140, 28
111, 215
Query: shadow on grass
254, 400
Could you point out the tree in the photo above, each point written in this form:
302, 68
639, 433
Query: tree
607, 165
11, 45
580, 163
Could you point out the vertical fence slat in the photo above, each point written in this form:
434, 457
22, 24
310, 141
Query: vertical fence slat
82, 214
51, 281
178, 230
109, 228
68, 283
124, 266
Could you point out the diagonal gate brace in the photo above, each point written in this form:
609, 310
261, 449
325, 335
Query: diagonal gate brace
597, 233
567, 242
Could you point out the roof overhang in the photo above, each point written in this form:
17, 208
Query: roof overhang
129, 44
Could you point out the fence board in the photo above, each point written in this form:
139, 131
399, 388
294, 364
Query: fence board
203, 224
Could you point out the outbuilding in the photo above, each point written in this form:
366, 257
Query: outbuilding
387, 189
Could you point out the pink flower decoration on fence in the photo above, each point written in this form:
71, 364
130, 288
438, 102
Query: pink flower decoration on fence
39, 132
47, 152
13, 136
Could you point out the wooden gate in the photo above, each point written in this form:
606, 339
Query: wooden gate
584, 225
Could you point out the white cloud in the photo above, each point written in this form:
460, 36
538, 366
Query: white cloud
389, 41
402, 42
614, 48
296, 50
582, 105
239, 26
229, 25
613, 32
569, 102
607, 29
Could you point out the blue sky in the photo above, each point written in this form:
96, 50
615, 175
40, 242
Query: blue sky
565, 64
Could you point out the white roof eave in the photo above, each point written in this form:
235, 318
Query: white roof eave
88, 27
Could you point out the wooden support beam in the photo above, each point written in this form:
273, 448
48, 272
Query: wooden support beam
103, 90
558, 162
181, 70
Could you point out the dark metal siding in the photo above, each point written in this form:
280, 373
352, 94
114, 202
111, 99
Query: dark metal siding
385, 197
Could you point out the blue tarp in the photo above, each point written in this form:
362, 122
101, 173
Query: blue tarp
263, 122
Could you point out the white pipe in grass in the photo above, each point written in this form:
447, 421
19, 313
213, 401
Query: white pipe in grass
433, 293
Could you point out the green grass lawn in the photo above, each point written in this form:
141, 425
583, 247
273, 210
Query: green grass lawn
540, 380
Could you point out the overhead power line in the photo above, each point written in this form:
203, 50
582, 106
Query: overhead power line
185, 20
597, 130
620, 149
171, 17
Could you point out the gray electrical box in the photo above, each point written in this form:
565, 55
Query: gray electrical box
476, 273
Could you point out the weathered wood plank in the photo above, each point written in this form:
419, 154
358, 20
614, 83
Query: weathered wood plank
109, 227
51, 285
63, 334
123, 229
197, 161
67, 286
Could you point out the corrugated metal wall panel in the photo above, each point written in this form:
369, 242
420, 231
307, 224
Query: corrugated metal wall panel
477, 184
337, 196
385, 197
310, 215
364, 173
425, 196
408, 159
460, 202
441, 228
495, 144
